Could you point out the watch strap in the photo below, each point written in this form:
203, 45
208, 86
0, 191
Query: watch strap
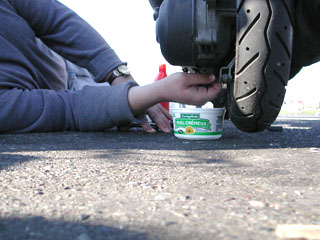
121, 70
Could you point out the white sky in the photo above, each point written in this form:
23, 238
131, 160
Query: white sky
128, 27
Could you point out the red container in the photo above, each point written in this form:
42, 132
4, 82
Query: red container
162, 74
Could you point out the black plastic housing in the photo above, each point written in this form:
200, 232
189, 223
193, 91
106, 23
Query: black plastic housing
197, 34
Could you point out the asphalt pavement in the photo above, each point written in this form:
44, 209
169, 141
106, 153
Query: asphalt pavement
133, 185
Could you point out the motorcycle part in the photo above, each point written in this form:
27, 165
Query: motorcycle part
197, 34
205, 35
263, 59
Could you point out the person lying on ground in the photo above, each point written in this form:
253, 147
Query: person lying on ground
57, 74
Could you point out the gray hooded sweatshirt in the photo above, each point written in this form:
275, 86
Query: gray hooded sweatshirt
29, 100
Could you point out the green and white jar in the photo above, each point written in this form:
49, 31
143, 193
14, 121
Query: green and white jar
198, 123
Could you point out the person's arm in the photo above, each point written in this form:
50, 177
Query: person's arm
106, 107
91, 109
69, 35
159, 115
180, 87
193, 89
25, 109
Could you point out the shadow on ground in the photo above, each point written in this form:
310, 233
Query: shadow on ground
295, 134
37, 228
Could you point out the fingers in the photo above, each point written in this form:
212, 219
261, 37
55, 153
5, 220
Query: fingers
166, 113
199, 95
210, 91
199, 79
161, 117
163, 124
206, 92
147, 128
215, 89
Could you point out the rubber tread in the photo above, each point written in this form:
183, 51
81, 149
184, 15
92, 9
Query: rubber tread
264, 27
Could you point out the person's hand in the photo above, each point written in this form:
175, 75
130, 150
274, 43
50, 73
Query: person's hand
187, 88
160, 116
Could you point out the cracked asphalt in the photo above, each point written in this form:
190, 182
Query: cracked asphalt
133, 185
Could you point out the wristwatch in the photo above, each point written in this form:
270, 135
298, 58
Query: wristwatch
121, 70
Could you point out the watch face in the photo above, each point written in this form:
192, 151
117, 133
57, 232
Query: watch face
123, 69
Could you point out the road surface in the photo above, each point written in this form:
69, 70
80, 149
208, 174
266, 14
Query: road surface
132, 185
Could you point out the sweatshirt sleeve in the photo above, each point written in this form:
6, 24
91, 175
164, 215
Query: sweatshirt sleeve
91, 109
68, 34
